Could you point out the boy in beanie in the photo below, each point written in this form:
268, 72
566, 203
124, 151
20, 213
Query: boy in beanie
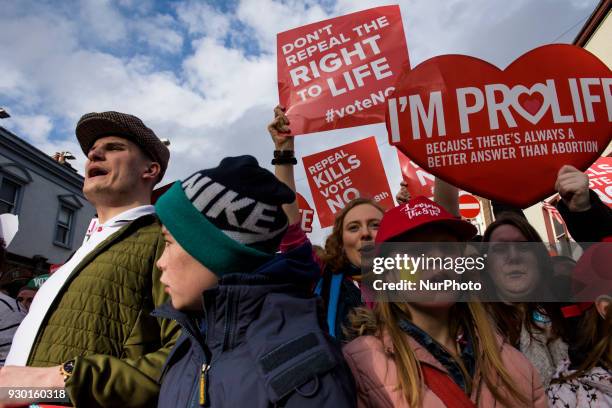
251, 332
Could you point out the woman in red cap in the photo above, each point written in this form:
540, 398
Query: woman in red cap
424, 354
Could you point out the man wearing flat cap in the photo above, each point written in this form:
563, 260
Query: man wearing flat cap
89, 329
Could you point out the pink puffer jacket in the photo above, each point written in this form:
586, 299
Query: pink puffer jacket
375, 372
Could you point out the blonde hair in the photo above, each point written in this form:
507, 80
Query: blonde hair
385, 317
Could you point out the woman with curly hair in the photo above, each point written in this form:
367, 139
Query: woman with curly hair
354, 231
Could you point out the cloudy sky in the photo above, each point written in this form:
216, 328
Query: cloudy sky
203, 73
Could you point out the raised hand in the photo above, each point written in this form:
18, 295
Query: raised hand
573, 187
280, 131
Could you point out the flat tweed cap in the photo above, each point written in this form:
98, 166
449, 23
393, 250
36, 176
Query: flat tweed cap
92, 126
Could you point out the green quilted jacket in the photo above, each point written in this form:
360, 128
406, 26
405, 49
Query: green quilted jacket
102, 320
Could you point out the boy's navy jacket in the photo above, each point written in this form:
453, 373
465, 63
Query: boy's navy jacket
260, 342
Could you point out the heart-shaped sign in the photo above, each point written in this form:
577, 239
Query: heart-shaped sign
504, 134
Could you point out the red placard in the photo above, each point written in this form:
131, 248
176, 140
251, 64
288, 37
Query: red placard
600, 179
339, 175
504, 134
419, 182
306, 212
422, 183
337, 73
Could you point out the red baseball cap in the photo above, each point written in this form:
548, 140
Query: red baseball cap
419, 212
576, 309
592, 276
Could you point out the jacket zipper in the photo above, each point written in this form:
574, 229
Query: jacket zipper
229, 321
204, 380
191, 336
203, 383
204, 371
205, 366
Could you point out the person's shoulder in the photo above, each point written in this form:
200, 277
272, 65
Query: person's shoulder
145, 225
371, 362
5, 297
516, 361
148, 220
364, 345
8, 304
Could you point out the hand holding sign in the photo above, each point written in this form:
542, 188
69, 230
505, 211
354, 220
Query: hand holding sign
337, 73
402, 196
283, 165
573, 187
280, 131
496, 132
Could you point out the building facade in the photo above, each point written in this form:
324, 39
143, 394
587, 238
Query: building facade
53, 213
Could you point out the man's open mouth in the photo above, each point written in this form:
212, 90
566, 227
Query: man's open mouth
96, 171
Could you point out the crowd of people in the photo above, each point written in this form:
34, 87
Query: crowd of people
214, 296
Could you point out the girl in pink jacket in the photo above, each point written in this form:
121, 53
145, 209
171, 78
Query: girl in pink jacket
419, 354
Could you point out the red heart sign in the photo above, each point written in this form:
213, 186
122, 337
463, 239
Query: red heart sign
531, 105
504, 134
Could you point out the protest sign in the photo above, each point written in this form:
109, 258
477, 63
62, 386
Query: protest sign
306, 213
419, 182
504, 134
337, 73
9, 225
600, 179
339, 175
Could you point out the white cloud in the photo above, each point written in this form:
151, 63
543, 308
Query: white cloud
212, 100
34, 127
142, 7
12, 82
103, 21
269, 17
158, 33
201, 18
230, 81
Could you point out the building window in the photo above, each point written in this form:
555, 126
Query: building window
64, 226
9, 195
